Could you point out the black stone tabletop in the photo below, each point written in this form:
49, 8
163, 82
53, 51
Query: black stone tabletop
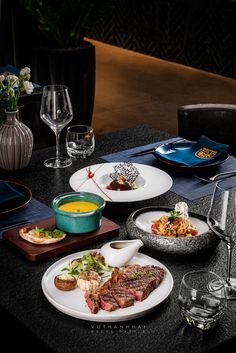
42, 328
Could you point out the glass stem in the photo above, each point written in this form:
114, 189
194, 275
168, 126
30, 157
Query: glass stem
229, 258
57, 133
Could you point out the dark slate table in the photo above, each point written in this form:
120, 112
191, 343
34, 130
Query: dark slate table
25, 310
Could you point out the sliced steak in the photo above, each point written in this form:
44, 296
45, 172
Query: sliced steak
123, 297
136, 272
140, 288
108, 302
93, 301
134, 282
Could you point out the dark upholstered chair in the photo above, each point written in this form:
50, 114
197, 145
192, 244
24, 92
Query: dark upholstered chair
216, 121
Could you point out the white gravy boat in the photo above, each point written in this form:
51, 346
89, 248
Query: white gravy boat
119, 252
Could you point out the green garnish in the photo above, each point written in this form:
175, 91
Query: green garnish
39, 230
174, 215
55, 233
91, 261
137, 274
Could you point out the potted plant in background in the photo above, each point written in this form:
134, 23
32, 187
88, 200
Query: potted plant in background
16, 139
64, 56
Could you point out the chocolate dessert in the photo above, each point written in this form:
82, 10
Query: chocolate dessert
124, 177
120, 183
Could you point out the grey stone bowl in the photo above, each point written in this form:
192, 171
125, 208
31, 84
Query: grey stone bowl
138, 226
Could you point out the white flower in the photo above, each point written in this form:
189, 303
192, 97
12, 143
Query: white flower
25, 71
13, 81
28, 87
12, 86
11, 92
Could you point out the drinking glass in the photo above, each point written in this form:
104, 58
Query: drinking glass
222, 221
80, 141
201, 305
56, 112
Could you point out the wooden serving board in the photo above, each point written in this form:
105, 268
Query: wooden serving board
35, 252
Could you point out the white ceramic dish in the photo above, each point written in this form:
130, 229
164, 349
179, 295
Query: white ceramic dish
73, 303
150, 183
139, 227
118, 253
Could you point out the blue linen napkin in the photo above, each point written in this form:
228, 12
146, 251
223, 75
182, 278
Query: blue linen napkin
33, 211
9, 68
8, 194
185, 185
203, 151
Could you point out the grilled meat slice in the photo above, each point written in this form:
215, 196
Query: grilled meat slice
140, 272
140, 288
123, 297
107, 301
93, 301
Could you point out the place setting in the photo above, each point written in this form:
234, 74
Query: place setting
89, 285
121, 182
18, 207
190, 164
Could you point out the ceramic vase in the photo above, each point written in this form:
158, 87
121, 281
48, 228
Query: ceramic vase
16, 143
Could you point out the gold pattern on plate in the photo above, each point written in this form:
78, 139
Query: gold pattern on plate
205, 153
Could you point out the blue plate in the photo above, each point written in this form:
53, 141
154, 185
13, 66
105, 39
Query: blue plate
179, 146
18, 204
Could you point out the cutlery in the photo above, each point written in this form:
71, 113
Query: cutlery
142, 153
14, 224
150, 150
213, 178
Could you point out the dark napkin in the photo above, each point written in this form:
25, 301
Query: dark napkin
9, 195
203, 151
9, 68
33, 211
184, 183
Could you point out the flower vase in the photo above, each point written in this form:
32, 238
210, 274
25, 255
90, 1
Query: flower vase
16, 143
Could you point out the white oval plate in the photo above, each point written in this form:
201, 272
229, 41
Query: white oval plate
73, 303
150, 183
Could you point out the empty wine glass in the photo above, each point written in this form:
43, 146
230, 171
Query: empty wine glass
222, 221
56, 112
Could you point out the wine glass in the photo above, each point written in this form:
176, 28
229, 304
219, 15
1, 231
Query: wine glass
56, 112
221, 219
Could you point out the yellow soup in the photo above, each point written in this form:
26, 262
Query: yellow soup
78, 206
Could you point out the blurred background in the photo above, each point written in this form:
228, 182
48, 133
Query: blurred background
124, 61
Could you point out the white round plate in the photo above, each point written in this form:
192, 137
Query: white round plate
73, 303
151, 182
144, 221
